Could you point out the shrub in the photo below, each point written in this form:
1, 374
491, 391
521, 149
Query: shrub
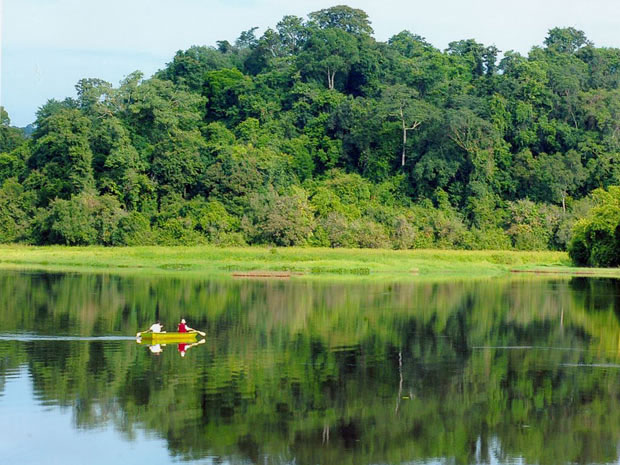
15, 210
216, 222
403, 233
338, 230
369, 235
178, 231
532, 226
72, 222
488, 239
84, 219
280, 219
596, 238
134, 229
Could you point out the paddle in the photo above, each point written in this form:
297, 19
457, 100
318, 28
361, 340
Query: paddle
199, 332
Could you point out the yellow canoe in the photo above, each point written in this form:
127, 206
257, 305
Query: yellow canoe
166, 338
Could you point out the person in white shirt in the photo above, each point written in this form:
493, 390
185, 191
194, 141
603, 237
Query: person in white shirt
155, 328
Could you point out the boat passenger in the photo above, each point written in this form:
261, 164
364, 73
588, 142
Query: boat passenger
183, 328
156, 327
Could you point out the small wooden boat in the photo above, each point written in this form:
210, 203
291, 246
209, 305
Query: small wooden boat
166, 338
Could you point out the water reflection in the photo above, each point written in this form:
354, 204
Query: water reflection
305, 372
181, 348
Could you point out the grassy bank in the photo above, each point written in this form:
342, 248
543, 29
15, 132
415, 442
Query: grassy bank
332, 263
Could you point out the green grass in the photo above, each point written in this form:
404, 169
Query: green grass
312, 262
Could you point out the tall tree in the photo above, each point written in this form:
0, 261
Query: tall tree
329, 53
404, 104
342, 17
62, 153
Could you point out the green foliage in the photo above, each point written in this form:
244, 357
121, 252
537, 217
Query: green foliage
178, 231
596, 238
358, 133
532, 225
16, 210
62, 153
10, 137
133, 229
278, 219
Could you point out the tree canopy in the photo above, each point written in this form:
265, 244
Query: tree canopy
448, 144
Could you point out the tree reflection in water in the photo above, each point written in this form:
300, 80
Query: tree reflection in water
318, 372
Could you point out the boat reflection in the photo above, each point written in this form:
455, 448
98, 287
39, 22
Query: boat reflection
182, 347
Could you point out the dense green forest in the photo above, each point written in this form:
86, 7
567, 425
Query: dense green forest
317, 134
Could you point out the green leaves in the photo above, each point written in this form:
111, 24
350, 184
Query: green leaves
317, 102
596, 237
61, 151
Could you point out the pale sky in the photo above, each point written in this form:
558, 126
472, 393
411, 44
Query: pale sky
48, 45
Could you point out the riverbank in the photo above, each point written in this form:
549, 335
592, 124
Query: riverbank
284, 262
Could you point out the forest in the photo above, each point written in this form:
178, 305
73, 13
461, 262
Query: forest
314, 133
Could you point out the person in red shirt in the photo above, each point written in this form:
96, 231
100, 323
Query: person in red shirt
183, 328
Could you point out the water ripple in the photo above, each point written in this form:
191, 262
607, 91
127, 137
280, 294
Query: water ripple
37, 337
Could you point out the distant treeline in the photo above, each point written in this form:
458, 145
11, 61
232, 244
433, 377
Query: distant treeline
315, 133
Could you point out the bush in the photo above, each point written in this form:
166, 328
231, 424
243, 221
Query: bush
15, 211
403, 234
338, 231
134, 229
178, 231
532, 226
217, 224
488, 239
369, 235
596, 238
283, 220
84, 219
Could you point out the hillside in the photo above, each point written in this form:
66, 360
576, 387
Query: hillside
317, 134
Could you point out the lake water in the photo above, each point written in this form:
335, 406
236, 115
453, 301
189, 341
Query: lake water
521, 370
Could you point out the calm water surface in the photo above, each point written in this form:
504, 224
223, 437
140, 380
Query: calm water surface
293, 372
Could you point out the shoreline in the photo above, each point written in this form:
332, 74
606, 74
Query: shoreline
291, 263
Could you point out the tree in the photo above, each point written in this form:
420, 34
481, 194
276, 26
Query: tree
476, 137
404, 104
481, 59
62, 152
342, 17
176, 163
10, 138
566, 40
224, 90
596, 238
283, 220
189, 67
91, 93
560, 174
247, 39
292, 33
328, 52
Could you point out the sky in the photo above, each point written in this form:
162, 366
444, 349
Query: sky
48, 45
